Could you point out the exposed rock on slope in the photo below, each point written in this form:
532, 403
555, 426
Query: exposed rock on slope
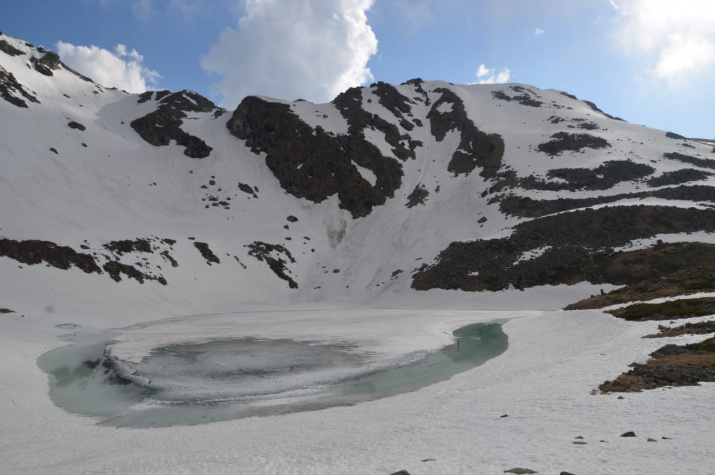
164, 124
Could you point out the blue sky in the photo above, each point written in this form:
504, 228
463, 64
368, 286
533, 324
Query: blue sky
649, 61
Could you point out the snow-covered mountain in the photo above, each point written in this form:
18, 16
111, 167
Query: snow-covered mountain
369, 228
387, 189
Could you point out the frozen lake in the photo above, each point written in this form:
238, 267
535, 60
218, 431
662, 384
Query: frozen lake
189, 382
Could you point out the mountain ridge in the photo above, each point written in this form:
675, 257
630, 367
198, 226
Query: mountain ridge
384, 193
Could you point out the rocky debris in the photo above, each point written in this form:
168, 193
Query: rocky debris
671, 365
520, 471
275, 256
584, 124
115, 269
9, 49
673, 135
524, 96
677, 177
207, 253
10, 89
54, 150
163, 125
697, 260
33, 252
313, 164
165, 254
476, 148
698, 162
670, 310
418, 196
292, 219
76, 125
128, 245
629, 434
698, 328
6, 311
247, 189
581, 244
564, 141
401, 472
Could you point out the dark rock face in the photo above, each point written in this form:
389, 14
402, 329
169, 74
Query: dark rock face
349, 103
127, 245
672, 135
602, 177
163, 125
698, 162
524, 96
576, 247
207, 253
7, 48
314, 164
529, 208
275, 256
76, 125
33, 252
590, 104
564, 141
418, 196
677, 177
10, 89
476, 148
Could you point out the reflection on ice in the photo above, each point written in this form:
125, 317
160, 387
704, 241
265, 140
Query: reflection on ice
199, 382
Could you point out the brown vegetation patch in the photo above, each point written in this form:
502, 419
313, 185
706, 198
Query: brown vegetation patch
698, 275
698, 328
671, 365
671, 310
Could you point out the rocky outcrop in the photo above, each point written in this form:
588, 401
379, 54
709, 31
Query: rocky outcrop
476, 148
577, 246
163, 125
564, 141
47, 63
277, 258
418, 196
207, 253
314, 164
10, 89
33, 252
698, 162
9, 49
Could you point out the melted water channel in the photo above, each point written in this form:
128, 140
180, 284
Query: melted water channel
195, 383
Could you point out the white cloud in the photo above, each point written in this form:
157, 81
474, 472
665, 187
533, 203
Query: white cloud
487, 75
676, 38
539, 32
122, 69
311, 49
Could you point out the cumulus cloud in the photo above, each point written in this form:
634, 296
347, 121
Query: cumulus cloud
677, 38
122, 68
311, 49
487, 75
